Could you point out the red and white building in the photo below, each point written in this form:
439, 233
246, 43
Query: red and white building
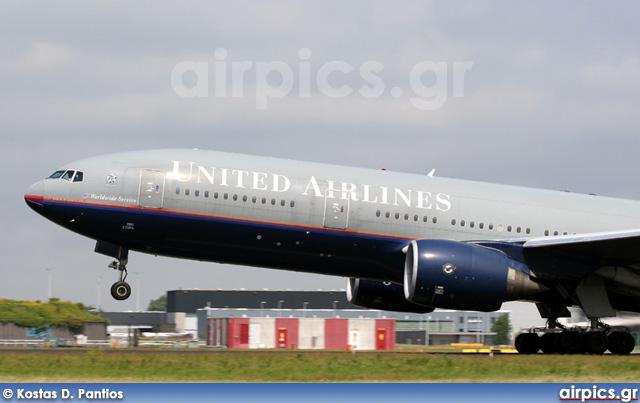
302, 333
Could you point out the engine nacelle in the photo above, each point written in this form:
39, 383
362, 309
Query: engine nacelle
379, 295
456, 275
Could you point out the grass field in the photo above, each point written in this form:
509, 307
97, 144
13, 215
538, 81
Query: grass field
102, 366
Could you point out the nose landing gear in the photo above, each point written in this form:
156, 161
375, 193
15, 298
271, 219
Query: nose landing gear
120, 290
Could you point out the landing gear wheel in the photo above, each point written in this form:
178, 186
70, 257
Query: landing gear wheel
569, 342
621, 343
528, 343
548, 343
596, 342
120, 290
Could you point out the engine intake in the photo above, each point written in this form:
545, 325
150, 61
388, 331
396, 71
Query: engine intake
456, 275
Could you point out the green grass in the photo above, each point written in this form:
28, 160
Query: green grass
100, 366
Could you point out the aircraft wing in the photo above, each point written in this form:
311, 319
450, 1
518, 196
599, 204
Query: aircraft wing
610, 248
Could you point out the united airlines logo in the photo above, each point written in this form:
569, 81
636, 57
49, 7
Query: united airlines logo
448, 268
313, 186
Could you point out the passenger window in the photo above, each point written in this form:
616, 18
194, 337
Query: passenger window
518, 230
425, 219
293, 203
273, 202
397, 215
235, 197
244, 198
264, 200
283, 202
387, 214
254, 199
481, 225
462, 223
490, 227
528, 231
177, 191
453, 221
435, 220
415, 217
206, 193
378, 213
406, 217
186, 192
472, 224
226, 196
546, 232
509, 228
196, 193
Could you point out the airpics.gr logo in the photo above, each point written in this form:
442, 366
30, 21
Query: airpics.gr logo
596, 393
430, 82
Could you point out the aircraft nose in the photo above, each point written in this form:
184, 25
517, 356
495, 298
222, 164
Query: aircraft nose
34, 196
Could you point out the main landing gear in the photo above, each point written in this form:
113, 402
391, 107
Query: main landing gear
559, 339
120, 290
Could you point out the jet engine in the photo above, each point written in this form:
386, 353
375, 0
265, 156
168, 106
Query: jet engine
380, 295
456, 275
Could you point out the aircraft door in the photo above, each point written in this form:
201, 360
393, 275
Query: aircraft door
336, 212
151, 188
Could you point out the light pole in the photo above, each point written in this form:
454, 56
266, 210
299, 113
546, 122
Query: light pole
304, 308
130, 338
280, 308
426, 331
98, 294
49, 284
138, 292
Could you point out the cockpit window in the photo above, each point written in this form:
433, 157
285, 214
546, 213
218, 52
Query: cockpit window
68, 175
56, 174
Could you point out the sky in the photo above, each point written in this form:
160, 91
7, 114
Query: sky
534, 93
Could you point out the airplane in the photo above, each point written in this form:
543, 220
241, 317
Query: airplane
406, 242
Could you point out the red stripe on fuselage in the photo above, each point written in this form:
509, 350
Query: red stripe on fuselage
194, 214
38, 199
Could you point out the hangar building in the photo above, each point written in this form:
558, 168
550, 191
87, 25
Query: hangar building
241, 318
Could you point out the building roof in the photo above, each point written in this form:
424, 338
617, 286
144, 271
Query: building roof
135, 318
190, 301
